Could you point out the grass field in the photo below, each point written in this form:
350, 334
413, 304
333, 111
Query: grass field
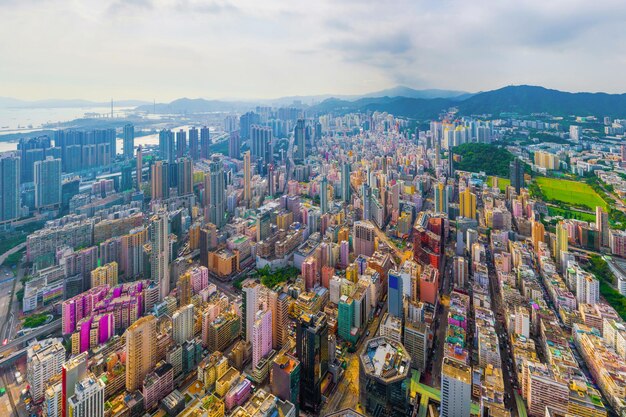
571, 214
502, 183
570, 192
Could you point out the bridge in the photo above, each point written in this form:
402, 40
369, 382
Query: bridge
22, 341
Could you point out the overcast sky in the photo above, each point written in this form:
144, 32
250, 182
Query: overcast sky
165, 49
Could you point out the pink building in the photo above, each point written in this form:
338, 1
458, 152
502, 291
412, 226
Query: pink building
309, 272
261, 336
199, 278
238, 394
327, 274
344, 253
158, 384
429, 285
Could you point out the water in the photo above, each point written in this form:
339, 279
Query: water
14, 120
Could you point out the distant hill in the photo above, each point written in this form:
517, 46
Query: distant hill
526, 99
407, 92
196, 105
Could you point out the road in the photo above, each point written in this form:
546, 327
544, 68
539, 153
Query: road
40, 331
11, 251
509, 376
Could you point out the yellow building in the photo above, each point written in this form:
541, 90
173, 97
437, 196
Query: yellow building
467, 204
104, 275
538, 233
224, 262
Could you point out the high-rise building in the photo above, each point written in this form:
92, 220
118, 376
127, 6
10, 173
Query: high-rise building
467, 204
73, 371
285, 378
9, 188
216, 202
346, 191
395, 294
140, 352
442, 199
538, 232
602, 224
562, 241
261, 336
139, 168
251, 302
575, 133
416, 334
88, 398
194, 144
184, 286
299, 138
456, 388
516, 174
129, 141
246, 121
247, 175
324, 195
205, 143
364, 236
44, 361
160, 180
181, 143
160, 257
104, 275
182, 324
312, 352
345, 318
234, 145
167, 147
48, 183
185, 176
384, 366
261, 143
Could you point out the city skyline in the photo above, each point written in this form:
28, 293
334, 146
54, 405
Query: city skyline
144, 46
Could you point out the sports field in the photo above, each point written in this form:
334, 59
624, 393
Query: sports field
570, 192
502, 183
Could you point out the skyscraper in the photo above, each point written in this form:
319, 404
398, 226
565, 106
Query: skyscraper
139, 167
129, 141
48, 183
194, 144
73, 371
181, 143
44, 360
247, 175
216, 201
516, 174
160, 180
185, 176
299, 138
182, 324
602, 224
364, 238
324, 195
467, 204
456, 389
246, 121
394, 294
442, 199
251, 301
88, 398
261, 336
562, 241
159, 257
166, 145
346, 191
205, 143
234, 145
140, 351
9, 188
312, 352
261, 143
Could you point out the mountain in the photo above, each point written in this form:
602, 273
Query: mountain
402, 91
59, 103
196, 105
415, 108
526, 99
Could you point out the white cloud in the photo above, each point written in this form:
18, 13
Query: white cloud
165, 49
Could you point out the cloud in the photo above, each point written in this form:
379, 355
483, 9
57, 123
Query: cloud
268, 48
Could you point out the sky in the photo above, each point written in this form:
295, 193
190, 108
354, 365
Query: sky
166, 49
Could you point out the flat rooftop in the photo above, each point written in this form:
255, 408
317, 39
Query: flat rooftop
385, 359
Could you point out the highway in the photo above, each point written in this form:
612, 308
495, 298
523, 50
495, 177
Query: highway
46, 329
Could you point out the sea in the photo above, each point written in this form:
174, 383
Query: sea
26, 120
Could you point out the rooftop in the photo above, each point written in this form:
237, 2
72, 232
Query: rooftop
385, 359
